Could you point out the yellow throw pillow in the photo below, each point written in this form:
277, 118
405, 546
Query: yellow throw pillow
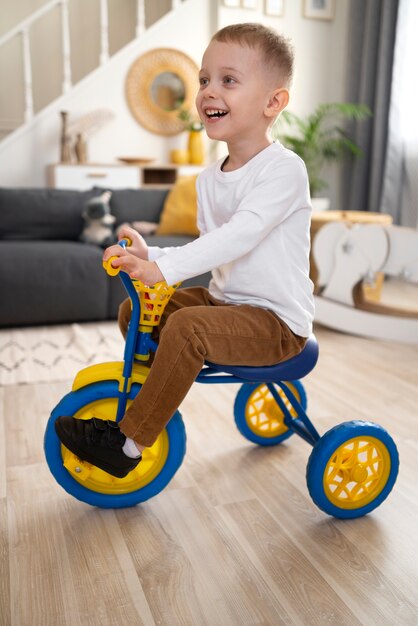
180, 208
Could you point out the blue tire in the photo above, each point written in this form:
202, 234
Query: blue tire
352, 469
257, 415
110, 492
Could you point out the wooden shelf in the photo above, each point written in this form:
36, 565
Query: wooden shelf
157, 175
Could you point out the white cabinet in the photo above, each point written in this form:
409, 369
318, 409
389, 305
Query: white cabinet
86, 176
81, 177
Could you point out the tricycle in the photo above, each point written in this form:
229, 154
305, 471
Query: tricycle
351, 470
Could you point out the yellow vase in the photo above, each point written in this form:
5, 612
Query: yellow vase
195, 146
179, 157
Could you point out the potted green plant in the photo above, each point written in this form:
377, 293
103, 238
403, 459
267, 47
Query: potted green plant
190, 121
320, 137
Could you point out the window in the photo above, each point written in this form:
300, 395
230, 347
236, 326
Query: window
405, 66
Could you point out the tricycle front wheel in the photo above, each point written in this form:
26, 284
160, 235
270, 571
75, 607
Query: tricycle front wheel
94, 486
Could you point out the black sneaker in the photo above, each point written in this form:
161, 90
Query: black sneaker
97, 441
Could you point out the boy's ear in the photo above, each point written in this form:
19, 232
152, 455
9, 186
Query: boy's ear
277, 102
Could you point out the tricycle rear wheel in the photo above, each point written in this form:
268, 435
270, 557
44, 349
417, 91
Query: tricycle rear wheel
352, 469
258, 416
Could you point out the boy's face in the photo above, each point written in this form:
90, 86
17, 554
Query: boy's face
235, 91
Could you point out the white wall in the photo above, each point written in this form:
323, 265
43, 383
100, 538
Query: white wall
320, 50
320, 68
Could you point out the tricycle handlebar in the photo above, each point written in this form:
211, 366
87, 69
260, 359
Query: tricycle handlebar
153, 299
114, 271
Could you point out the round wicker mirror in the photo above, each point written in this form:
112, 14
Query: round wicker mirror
159, 84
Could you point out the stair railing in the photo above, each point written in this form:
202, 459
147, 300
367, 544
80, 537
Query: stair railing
23, 30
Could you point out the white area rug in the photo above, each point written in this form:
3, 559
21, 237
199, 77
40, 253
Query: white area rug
56, 353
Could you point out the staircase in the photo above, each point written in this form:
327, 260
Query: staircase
23, 32
28, 151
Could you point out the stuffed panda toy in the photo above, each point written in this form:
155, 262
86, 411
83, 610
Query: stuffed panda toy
98, 221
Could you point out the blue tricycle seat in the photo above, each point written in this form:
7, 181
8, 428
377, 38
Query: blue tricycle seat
292, 369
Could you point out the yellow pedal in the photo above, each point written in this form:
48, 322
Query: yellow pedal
78, 468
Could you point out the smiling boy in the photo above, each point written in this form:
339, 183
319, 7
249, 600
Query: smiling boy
254, 219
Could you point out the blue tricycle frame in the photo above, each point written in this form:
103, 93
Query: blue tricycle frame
351, 470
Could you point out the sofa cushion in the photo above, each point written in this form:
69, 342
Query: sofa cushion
34, 214
179, 214
129, 205
51, 281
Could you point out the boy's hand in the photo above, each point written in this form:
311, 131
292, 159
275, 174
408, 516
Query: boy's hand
146, 271
139, 247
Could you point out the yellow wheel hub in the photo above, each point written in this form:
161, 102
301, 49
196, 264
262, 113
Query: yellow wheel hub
95, 479
357, 472
263, 415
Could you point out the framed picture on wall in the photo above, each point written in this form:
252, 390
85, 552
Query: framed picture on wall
231, 3
274, 7
319, 9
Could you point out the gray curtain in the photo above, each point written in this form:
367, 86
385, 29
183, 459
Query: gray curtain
371, 45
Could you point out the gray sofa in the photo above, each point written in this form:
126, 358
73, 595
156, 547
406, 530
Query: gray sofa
47, 275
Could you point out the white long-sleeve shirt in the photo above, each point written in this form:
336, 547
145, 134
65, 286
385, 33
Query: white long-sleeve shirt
254, 224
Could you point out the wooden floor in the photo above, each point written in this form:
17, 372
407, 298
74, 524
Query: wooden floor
234, 539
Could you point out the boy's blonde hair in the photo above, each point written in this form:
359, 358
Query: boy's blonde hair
277, 50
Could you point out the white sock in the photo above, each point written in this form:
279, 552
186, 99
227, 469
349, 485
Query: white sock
129, 448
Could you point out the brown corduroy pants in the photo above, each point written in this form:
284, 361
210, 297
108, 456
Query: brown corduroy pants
195, 328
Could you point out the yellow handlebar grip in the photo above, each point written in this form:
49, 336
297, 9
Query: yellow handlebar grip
111, 271
114, 271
